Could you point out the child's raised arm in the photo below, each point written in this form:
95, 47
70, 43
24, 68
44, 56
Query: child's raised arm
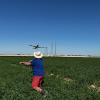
26, 63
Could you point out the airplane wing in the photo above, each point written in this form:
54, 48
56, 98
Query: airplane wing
42, 47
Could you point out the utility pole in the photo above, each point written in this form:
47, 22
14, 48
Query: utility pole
47, 51
52, 49
55, 48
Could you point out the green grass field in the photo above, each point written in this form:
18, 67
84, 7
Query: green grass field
65, 79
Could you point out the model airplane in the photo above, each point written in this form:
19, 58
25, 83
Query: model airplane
36, 46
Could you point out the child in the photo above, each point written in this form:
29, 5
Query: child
38, 71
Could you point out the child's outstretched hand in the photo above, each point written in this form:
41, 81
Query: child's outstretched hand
25, 63
21, 62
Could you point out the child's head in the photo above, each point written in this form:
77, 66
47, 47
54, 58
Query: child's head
38, 54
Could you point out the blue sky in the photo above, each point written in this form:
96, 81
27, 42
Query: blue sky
73, 24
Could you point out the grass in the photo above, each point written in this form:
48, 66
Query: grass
65, 79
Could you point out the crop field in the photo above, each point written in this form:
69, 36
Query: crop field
65, 79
